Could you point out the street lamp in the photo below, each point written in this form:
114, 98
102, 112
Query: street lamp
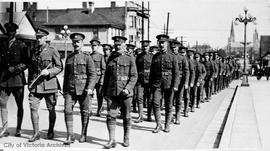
245, 19
65, 32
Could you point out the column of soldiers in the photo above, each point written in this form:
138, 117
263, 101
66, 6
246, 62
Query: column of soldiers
126, 77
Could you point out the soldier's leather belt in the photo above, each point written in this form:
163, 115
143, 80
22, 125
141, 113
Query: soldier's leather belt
80, 76
165, 73
147, 70
120, 78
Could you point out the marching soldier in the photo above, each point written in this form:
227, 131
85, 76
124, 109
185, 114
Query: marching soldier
143, 62
107, 50
183, 78
214, 64
100, 65
199, 80
14, 57
79, 82
44, 65
164, 80
209, 76
120, 79
189, 91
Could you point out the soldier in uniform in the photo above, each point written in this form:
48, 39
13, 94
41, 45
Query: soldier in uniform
209, 76
130, 49
44, 65
120, 79
199, 80
214, 64
164, 80
14, 57
183, 78
143, 62
100, 71
107, 49
79, 82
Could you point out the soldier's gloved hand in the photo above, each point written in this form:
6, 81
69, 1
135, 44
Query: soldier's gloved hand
186, 86
45, 72
191, 84
125, 92
89, 92
11, 69
198, 84
175, 89
211, 79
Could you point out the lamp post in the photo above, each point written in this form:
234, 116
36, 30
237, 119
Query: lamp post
65, 32
245, 19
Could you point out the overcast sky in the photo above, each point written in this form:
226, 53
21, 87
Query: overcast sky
207, 21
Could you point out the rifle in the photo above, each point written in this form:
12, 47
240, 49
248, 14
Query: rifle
35, 81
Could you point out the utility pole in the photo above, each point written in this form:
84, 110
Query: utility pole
148, 21
182, 41
11, 7
168, 16
143, 21
196, 45
164, 30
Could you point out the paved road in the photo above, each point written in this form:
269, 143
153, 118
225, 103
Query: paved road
185, 136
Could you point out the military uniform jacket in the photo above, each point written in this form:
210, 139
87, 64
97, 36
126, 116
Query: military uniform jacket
121, 73
44, 57
143, 63
209, 69
214, 63
202, 72
198, 72
192, 73
100, 65
16, 55
80, 73
164, 71
221, 68
227, 69
183, 68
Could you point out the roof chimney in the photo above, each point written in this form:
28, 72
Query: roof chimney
84, 5
91, 7
113, 3
26, 6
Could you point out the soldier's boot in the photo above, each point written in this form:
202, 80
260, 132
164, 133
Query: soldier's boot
158, 121
192, 108
111, 123
134, 105
69, 125
52, 118
35, 123
149, 112
85, 121
186, 110
177, 117
127, 127
19, 121
168, 118
140, 118
4, 132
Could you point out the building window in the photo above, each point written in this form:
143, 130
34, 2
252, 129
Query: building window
132, 23
95, 33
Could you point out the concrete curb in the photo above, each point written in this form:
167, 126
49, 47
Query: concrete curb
226, 134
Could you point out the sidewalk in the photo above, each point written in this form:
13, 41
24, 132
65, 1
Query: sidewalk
248, 122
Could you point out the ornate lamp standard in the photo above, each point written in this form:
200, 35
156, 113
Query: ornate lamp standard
245, 19
65, 32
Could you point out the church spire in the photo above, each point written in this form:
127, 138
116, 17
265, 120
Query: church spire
232, 38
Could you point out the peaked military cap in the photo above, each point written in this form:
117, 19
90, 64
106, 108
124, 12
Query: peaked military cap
130, 46
77, 36
41, 32
197, 55
152, 47
175, 43
11, 26
119, 39
107, 45
206, 54
190, 51
162, 37
95, 41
